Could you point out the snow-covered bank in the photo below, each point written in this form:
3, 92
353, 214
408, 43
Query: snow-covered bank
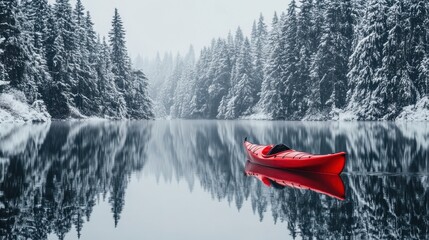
414, 113
417, 112
14, 108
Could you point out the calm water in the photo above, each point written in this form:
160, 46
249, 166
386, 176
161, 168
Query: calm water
185, 180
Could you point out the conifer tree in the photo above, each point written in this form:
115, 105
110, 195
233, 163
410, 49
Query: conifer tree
259, 43
272, 89
199, 101
182, 96
396, 87
20, 64
37, 12
140, 106
242, 94
120, 61
290, 76
330, 68
365, 62
84, 73
418, 43
220, 73
12, 53
112, 102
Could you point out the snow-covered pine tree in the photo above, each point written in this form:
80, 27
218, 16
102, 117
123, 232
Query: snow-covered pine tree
366, 60
35, 71
290, 76
258, 45
306, 42
53, 93
234, 46
37, 12
238, 40
158, 78
318, 21
11, 44
199, 106
20, 64
242, 95
91, 40
417, 42
62, 52
220, 75
227, 103
120, 61
84, 73
423, 78
272, 90
124, 78
330, 67
396, 88
231, 47
112, 102
140, 106
184, 90
170, 85
158, 71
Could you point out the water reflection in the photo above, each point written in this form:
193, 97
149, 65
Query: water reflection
331, 185
52, 175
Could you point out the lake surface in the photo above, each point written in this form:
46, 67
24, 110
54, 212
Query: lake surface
185, 180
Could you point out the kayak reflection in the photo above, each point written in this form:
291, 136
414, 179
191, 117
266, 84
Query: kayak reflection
331, 185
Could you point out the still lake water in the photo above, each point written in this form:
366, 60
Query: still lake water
185, 180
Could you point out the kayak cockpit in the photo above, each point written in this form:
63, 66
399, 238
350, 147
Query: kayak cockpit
274, 149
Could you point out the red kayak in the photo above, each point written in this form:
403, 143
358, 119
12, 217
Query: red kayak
331, 185
281, 156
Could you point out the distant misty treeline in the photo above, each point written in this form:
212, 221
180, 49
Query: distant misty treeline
319, 58
52, 54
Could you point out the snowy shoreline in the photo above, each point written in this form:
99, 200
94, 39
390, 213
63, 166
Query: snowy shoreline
15, 109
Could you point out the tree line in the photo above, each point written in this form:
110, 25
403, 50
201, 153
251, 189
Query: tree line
320, 58
52, 53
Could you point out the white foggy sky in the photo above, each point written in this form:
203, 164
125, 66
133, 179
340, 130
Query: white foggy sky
172, 25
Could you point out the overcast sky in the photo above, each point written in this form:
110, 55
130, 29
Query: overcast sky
172, 25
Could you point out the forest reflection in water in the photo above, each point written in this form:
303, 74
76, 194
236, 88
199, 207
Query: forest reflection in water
53, 175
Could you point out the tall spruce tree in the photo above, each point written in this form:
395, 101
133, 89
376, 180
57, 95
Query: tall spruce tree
418, 43
242, 95
182, 96
365, 62
272, 89
199, 102
84, 73
306, 42
258, 45
140, 106
11, 44
53, 94
120, 61
62, 57
20, 64
290, 75
330, 67
37, 15
396, 87
220, 72
112, 102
